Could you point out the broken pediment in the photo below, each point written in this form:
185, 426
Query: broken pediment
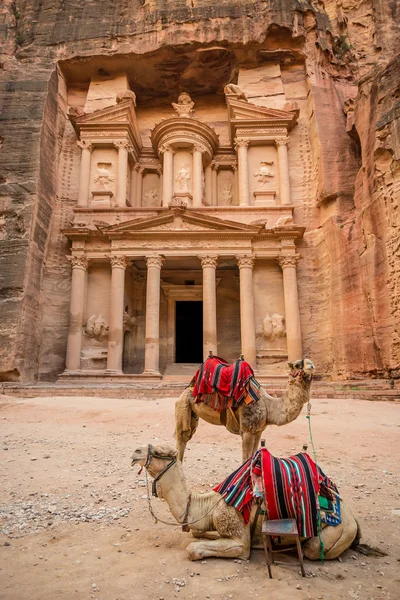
258, 120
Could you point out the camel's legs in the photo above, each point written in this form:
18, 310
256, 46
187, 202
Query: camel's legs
249, 439
185, 425
209, 535
223, 547
256, 441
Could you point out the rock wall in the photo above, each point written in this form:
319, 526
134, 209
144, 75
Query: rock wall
349, 279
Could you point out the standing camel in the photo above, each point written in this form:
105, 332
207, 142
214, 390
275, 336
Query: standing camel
249, 420
221, 527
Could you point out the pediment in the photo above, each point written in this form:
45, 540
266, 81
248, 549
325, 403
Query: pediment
178, 221
118, 113
260, 119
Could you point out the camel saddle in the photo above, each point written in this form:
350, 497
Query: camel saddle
222, 385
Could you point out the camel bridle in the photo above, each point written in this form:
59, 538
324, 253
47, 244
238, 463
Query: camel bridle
152, 454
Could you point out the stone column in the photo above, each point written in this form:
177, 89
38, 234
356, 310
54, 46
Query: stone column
116, 332
168, 174
214, 183
197, 170
152, 349
283, 166
209, 265
132, 193
139, 185
241, 146
292, 310
208, 177
84, 177
78, 285
247, 319
122, 175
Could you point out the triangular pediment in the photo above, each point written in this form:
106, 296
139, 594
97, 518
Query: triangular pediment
242, 110
177, 221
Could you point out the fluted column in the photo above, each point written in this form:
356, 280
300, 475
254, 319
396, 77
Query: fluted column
168, 174
208, 178
77, 303
132, 193
139, 185
84, 177
209, 265
116, 331
214, 183
283, 165
292, 310
241, 146
122, 177
197, 170
152, 349
247, 319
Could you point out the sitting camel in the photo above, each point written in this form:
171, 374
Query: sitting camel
249, 420
221, 526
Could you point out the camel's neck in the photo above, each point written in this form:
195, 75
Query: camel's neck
288, 407
174, 491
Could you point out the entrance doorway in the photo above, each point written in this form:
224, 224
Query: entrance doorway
189, 332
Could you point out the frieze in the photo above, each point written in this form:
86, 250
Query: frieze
266, 131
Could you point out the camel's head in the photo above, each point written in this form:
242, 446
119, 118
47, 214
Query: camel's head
153, 458
303, 369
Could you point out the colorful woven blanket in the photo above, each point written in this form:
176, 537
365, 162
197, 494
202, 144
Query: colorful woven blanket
222, 386
289, 488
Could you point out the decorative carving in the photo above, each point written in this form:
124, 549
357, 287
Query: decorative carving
122, 144
76, 111
164, 148
288, 261
208, 261
227, 196
154, 261
150, 198
177, 202
198, 148
234, 90
283, 221
84, 145
129, 322
282, 141
183, 179
138, 168
274, 326
96, 328
245, 261
214, 165
126, 95
118, 261
103, 176
184, 107
264, 174
78, 261
241, 143
264, 132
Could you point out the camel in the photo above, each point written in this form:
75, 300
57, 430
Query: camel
219, 528
248, 421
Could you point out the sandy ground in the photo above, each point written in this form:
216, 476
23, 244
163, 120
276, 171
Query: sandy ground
74, 522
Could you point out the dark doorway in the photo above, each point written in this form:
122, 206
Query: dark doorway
189, 332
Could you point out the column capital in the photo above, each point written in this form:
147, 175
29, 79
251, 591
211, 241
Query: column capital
138, 167
124, 144
209, 261
241, 143
214, 165
282, 141
84, 145
154, 261
198, 148
118, 261
78, 261
288, 261
245, 261
165, 148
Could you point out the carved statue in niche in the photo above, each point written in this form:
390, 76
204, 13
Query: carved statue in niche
96, 328
264, 173
103, 176
150, 198
227, 196
129, 322
184, 107
274, 326
234, 90
183, 179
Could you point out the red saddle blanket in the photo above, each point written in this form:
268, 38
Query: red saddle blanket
222, 385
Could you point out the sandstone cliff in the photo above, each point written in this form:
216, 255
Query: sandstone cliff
350, 274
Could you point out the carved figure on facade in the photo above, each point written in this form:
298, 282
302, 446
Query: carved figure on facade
184, 106
96, 328
177, 203
274, 326
126, 95
264, 174
103, 178
183, 179
235, 90
284, 221
227, 196
150, 198
129, 323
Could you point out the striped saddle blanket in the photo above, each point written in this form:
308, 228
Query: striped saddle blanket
290, 488
222, 385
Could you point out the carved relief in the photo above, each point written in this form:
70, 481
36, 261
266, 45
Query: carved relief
103, 177
129, 323
177, 203
227, 196
182, 180
184, 107
274, 326
234, 90
96, 328
283, 221
264, 173
150, 198
126, 95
